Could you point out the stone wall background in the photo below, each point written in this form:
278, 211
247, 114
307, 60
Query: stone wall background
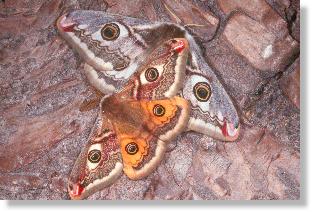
253, 48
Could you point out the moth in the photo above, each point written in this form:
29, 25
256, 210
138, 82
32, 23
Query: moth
137, 63
135, 124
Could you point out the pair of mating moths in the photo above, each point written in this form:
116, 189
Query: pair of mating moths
156, 85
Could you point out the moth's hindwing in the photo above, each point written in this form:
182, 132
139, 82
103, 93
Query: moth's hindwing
129, 135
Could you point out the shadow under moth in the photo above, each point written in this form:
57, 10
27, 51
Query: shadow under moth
156, 85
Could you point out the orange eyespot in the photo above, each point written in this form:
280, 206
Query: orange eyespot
110, 32
159, 110
132, 148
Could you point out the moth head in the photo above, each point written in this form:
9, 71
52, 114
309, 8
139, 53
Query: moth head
97, 166
213, 111
178, 45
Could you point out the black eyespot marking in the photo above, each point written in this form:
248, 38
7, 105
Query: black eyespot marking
159, 110
94, 156
110, 32
202, 91
132, 148
151, 74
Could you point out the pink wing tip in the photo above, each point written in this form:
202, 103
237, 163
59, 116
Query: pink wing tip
229, 131
65, 24
75, 190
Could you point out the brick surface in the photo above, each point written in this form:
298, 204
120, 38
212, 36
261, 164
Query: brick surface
262, 48
259, 11
290, 84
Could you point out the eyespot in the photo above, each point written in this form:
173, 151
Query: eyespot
110, 32
132, 148
94, 156
159, 110
202, 91
151, 74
